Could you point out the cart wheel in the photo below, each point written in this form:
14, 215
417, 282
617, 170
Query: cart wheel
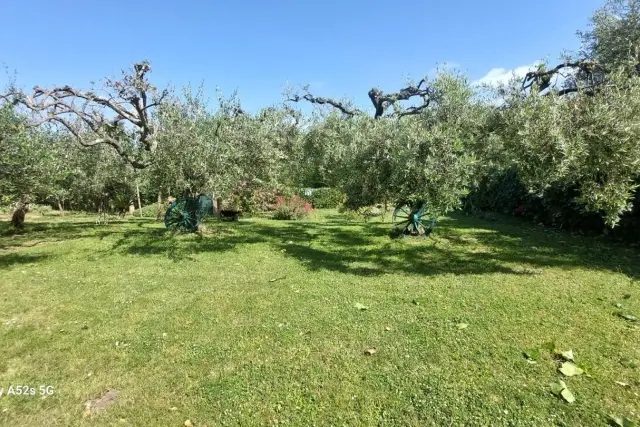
413, 218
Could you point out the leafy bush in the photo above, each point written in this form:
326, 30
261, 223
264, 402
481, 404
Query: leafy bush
558, 206
586, 142
325, 198
291, 208
120, 203
150, 210
252, 198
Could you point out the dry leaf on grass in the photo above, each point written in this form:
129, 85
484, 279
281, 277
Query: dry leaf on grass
370, 351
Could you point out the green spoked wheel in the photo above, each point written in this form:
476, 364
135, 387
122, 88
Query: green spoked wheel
182, 216
413, 218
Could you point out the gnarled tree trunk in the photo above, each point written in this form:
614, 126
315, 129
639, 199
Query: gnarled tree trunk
17, 217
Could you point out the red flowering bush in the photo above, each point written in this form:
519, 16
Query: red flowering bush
291, 208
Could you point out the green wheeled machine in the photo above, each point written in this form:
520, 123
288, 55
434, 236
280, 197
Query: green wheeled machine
186, 213
413, 218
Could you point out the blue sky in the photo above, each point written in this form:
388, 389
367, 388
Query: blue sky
342, 48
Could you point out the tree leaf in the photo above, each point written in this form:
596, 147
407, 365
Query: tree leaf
556, 388
569, 369
616, 421
370, 351
629, 317
532, 354
621, 422
567, 355
622, 384
462, 325
360, 306
629, 363
567, 395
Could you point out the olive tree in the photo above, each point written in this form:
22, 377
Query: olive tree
588, 140
423, 154
118, 115
613, 38
25, 163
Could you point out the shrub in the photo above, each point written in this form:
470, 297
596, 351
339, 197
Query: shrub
325, 198
254, 198
150, 210
291, 208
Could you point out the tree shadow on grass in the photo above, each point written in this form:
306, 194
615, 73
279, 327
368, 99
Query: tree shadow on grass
46, 232
176, 246
15, 258
461, 245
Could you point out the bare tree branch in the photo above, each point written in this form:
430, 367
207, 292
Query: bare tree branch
381, 101
413, 110
588, 70
85, 114
346, 110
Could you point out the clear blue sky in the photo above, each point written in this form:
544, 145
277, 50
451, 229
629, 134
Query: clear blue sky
342, 48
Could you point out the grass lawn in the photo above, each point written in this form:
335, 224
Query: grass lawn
255, 323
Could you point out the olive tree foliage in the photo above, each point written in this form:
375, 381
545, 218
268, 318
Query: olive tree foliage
14, 155
265, 147
613, 38
189, 153
25, 163
391, 158
588, 140
96, 179
205, 150
440, 161
44, 166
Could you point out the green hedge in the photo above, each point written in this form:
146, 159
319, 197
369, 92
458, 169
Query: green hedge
502, 191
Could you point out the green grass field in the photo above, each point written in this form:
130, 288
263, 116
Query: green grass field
260, 322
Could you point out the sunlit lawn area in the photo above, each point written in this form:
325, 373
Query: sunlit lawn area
263, 322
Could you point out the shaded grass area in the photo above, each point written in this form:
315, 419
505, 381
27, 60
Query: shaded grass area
253, 323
